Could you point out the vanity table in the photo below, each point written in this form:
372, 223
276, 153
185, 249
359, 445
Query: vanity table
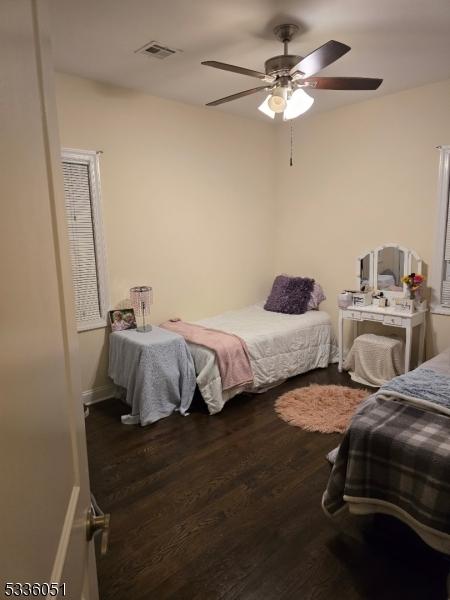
381, 270
386, 316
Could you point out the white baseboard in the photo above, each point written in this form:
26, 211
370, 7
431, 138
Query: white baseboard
97, 394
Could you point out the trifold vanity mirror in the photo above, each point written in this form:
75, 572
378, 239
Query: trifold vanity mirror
379, 275
382, 269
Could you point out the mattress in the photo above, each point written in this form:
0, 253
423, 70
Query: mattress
279, 346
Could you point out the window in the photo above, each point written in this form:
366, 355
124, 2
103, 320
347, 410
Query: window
82, 196
440, 276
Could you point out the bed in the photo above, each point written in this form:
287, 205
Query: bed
395, 456
279, 346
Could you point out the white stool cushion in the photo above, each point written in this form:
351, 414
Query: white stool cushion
375, 359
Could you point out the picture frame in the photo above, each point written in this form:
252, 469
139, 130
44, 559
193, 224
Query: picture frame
121, 319
404, 305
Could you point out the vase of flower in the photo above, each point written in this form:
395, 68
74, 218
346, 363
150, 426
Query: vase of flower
414, 282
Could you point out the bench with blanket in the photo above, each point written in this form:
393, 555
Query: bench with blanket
153, 372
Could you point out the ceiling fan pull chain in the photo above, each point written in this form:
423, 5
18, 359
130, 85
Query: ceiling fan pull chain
292, 137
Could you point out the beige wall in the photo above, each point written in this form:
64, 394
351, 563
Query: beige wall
204, 206
363, 175
187, 202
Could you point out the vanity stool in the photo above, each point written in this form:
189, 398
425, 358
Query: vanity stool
375, 359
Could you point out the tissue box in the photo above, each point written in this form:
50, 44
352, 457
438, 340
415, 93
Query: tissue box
362, 298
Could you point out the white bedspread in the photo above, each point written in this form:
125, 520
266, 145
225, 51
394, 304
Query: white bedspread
279, 345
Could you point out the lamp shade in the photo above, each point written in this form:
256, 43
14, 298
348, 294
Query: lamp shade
265, 108
297, 104
292, 107
141, 297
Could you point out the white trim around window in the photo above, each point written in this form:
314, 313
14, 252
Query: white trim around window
90, 159
441, 266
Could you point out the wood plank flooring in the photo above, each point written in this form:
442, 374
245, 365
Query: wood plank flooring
228, 507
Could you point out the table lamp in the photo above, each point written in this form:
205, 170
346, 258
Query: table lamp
141, 297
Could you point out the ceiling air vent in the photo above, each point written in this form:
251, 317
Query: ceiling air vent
156, 50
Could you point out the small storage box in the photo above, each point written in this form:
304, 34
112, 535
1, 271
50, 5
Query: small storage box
362, 298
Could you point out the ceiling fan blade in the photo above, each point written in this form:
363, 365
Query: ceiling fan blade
321, 58
240, 70
238, 95
343, 83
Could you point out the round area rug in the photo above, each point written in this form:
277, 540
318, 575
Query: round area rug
324, 408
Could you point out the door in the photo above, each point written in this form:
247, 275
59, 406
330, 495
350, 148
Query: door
45, 494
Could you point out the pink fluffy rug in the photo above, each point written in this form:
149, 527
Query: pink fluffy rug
324, 408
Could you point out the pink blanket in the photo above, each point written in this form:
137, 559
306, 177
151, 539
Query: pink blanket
230, 350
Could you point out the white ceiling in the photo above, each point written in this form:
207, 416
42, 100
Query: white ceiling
406, 42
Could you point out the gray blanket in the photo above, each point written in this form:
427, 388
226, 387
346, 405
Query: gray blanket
423, 384
395, 456
156, 369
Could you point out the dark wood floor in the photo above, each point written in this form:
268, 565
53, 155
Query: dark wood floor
229, 507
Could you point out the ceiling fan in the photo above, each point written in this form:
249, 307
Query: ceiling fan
288, 75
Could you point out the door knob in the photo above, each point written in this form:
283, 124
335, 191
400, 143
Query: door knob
97, 523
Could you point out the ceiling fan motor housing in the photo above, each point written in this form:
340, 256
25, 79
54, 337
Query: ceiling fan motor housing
281, 65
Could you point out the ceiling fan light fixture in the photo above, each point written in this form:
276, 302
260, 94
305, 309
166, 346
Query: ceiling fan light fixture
264, 108
278, 99
297, 104
277, 104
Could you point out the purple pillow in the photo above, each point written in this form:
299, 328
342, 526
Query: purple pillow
317, 296
290, 295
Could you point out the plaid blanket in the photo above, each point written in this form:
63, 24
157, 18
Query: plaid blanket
396, 454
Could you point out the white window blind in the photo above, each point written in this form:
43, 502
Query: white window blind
85, 237
440, 277
445, 292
